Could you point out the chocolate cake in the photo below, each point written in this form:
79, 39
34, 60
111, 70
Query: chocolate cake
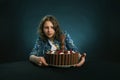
59, 58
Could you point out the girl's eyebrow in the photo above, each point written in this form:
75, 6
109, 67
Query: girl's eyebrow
45, 26
48, 26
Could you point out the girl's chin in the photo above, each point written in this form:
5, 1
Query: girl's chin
50, 37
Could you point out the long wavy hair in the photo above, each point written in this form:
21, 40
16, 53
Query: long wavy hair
56, 27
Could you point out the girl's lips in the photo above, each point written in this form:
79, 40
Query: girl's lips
49, 34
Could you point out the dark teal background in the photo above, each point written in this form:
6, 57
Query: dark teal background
92, 24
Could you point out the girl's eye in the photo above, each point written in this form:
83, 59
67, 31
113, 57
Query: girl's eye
46, 27
52, 27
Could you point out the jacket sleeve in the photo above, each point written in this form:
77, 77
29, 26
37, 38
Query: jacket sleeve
69, 43
37, 49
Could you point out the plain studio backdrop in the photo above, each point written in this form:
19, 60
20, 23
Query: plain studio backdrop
93, 25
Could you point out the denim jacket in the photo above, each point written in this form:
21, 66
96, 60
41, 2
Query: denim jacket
41, 47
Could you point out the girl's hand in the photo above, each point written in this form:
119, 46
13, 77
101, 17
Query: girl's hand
82, 60
42, 61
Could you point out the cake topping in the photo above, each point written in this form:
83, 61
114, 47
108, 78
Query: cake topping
61, 52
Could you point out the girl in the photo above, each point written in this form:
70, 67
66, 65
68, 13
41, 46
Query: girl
49, 39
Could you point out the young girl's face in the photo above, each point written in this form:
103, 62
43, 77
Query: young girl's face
48, 29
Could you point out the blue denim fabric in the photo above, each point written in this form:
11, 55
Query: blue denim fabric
41, 47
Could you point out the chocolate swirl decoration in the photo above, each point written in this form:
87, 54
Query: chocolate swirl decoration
62, 40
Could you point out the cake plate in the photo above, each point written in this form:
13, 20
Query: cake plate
62, 66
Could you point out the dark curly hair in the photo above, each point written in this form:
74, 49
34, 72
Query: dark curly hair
56, 27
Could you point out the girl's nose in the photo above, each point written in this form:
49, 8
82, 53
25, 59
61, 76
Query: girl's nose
49, 29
